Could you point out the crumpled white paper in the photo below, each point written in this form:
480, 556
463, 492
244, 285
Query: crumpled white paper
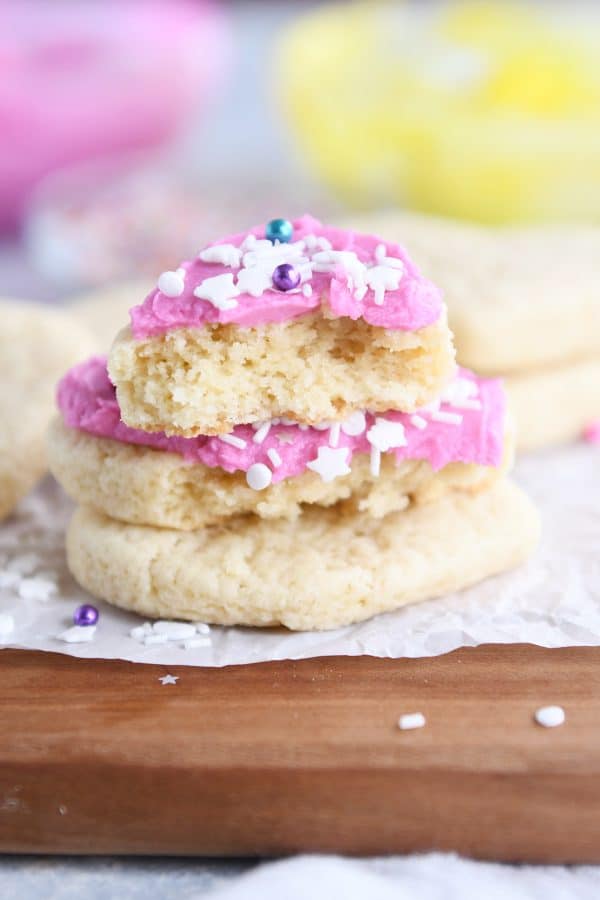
553, 600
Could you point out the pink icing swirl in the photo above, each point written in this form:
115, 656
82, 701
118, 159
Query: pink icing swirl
87, 401
415, 304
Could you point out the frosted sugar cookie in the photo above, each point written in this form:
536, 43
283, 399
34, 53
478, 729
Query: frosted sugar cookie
322, 570
36, 344
377, 463
290, 319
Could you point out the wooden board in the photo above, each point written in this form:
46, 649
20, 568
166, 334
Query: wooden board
99, 757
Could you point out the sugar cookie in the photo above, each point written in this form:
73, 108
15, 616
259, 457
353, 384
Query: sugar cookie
323, 570
36, 344
311, 329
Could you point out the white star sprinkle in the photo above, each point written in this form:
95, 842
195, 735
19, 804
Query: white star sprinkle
385, 435
254, 281
312, 243
225, 254
250, 241
169, 679
268, 255
218, 290
330, 464
356, 271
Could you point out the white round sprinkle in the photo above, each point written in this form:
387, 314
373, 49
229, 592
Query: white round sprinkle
171, 284
7, 624
258, 476
355, 424
409, 721
550, 716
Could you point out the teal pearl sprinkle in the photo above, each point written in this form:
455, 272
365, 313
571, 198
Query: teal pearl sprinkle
279, 230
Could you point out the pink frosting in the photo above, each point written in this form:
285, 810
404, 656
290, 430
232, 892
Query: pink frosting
415, 304
592, 432
87, 401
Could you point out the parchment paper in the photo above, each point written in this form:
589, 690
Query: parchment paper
553, 601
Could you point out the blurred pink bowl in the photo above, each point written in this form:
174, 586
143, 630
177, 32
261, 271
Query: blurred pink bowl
81, 80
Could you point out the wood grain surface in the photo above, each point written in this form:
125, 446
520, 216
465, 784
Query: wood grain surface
100, 757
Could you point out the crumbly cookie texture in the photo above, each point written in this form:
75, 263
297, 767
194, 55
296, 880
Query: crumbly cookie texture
36, 345
144, 486
311, 369
518, 298
323, 570
554, 405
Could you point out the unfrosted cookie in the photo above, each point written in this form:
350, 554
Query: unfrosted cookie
555, 405
322, 570
36, 345
519, 298
104, 310
311, 329
381, 462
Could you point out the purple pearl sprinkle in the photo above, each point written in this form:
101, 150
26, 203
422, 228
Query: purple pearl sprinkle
85, 615
286, 277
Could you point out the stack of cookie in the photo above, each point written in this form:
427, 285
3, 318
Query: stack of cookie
281, 436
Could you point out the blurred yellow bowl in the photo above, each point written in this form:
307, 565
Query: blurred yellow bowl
484, 111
